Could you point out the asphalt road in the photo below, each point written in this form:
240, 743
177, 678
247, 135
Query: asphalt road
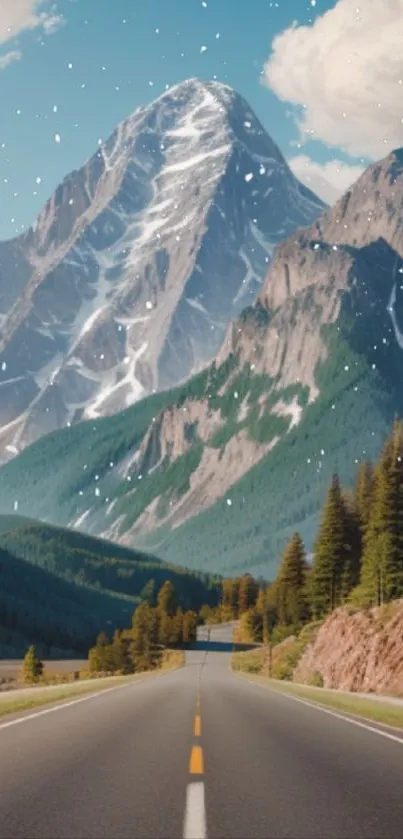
197, 752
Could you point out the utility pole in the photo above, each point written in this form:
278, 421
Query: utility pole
267, 639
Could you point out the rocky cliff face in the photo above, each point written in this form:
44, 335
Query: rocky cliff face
354, 249
140, 259
358, 652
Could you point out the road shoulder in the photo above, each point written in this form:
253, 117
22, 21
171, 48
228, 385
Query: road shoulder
384, 718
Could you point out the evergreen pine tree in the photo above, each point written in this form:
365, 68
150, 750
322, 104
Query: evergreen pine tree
353, 545
189, 627
32, 668
178, 626
166, 629
230, 598
364, 493
145, 624
261, 602
167, 599
247, 593
290, 584
329, 554
382, 564
119, 653
251, 625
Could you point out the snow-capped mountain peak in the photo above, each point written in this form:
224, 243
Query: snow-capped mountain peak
140, 259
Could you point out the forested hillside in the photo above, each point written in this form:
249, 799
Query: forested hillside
358, 553
105, 566
60, 617
59, 588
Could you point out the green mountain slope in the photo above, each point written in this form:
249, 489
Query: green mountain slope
101, 565
60, 617
59, 588
57, 477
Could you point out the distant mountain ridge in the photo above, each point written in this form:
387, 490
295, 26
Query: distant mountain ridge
140, 259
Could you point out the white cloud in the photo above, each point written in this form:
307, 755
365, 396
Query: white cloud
328, 180
345, 72
9, 58
16, 16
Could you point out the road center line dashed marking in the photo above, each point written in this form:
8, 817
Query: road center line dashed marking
197, 726
196, 766
330, 711
194, 826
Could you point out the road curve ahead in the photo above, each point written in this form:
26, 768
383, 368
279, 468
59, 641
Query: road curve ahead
197, 752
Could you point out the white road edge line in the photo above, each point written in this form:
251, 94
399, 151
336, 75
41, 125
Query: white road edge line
329, 711
194, 826
58, 707
60, 704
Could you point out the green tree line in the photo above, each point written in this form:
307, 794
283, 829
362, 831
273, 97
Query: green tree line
153, 627
357, 557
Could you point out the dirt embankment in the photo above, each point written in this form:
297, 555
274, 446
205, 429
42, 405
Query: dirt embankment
361, 651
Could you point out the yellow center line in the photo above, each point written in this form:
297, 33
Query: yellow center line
197, 726
196, 766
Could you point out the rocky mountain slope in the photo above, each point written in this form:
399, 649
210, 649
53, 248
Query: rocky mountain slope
352, 649
139, 260
218, 472
357, 652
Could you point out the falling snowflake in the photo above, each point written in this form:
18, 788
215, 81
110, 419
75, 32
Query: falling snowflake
57, 138
149, 305
249, 177
229, 502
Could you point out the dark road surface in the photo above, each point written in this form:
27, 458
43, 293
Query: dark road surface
197, 752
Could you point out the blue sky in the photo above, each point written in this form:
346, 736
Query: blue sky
77, 68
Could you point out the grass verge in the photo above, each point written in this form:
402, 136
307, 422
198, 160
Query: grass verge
54, 694
366, 709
